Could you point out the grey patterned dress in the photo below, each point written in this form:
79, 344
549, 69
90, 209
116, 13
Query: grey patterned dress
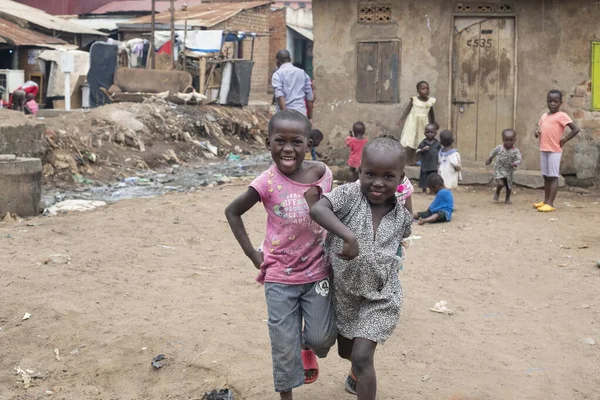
503, 169
367, 292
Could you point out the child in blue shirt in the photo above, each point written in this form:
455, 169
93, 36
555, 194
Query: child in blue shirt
440, 210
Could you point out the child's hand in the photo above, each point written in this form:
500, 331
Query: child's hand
488, 162
257, 259
515, 165
562, 142
426, 148
350, 250
537, 133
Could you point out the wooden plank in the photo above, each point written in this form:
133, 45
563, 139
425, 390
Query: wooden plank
506, 77
488, 88
466, 87
388, 88
367, 72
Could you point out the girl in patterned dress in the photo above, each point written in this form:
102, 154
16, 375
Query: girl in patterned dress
366, 224
508, 158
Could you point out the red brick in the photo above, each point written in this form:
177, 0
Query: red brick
580, 91
577, 102
578, 114
596, 135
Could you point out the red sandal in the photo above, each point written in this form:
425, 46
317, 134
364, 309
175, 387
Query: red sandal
309, 359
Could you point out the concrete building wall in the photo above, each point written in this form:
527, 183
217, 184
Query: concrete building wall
553, 51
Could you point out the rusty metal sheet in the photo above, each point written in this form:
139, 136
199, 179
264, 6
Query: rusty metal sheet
13, 34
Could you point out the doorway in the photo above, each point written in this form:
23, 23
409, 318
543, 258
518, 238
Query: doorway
483, 83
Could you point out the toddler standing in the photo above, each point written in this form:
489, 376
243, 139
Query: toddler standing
366, 225
293, 266
429, 150
418, 113
356, 142
508, 158
450, 163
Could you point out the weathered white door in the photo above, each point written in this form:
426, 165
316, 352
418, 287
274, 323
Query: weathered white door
483, 84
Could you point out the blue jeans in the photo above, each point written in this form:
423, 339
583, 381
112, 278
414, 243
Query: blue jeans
288, 306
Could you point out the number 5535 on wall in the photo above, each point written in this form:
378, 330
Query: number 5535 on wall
479, 43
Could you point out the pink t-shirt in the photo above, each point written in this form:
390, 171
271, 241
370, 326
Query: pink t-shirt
33, 106
552, 127
293, 246
356, 148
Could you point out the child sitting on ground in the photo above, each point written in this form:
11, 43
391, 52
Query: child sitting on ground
508, 158
450, 163
429, 150
292, 267
440, 210
356, 142
316, 137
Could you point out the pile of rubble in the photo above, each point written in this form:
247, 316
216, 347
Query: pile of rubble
110, 142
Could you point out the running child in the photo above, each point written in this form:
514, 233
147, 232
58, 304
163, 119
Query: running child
429, 150
366, 225
317, 137
293, 266
440, 210
550, 132
508, 158
419, 112
450, 165
356, 142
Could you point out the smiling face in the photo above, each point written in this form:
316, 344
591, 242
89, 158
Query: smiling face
380, 174
509, 137
423, 90
288, 144
554, 102
430, 132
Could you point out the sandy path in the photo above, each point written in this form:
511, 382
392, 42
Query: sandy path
122, 298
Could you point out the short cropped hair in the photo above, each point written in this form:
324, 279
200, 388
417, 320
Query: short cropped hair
290, 115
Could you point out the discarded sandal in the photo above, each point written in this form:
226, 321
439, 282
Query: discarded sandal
538, 205
350, 383
546, 208
309, 359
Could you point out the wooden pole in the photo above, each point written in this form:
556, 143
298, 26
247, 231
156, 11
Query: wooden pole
202, 74
172, 34
252, 53
185, 39
152, 58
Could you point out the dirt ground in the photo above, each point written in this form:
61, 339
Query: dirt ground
112, 288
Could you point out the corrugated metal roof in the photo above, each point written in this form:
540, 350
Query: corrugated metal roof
106, 24
15, 35
142, 6
40, 18
203, 15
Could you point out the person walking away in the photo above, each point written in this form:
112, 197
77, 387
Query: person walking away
366, 225
508, 158
356, 142
292, 86
429, 150
450, 164
419, 113
550, 132
292, 267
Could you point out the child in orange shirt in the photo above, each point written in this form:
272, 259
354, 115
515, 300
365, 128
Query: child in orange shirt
550, 132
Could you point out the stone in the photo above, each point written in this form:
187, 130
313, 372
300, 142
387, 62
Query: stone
593, 123
585, 159
476, 176
578, 114
21, 183
577, 102
580, 91
533, 179
22, 138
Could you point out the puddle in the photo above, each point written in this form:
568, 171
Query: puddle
151, 184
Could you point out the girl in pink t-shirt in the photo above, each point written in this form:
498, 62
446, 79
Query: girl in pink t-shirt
292, 264
356, 142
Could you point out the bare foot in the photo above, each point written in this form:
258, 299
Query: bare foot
286, 395
496, 196
421, 221
507, 202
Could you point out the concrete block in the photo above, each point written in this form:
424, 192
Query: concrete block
577, 102
586, 160
476, 176
23, 138
21, 183
533, 179
593, 124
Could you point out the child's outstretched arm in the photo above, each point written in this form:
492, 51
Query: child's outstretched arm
571, 135
234, 212
492, 155
406, 112
322, 213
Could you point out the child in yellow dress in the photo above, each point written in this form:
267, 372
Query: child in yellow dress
417, 115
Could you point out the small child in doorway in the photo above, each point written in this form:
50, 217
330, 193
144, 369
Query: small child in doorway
450, 166
356, 142
419, 112
429, 150
316, 137
292, 268
550, 132
440, 210
367, 291
508, 158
